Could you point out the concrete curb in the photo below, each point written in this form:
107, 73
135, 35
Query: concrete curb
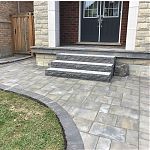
72, 135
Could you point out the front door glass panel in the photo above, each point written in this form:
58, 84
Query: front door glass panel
90, 9
111, 9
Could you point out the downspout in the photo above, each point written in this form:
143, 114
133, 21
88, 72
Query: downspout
18, 4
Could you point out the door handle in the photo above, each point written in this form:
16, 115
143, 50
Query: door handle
15, 31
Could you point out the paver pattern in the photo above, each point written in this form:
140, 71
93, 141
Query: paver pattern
109, 116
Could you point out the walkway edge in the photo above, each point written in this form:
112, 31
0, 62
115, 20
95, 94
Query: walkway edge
14, 60
72, 135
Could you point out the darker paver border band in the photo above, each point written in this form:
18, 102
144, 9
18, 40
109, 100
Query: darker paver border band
72, 135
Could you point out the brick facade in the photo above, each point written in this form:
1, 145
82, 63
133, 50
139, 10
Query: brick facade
143, 27
69, 22
7, 9
41, 23
26, 6
124, 23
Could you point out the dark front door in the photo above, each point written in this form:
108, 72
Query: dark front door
110, 21
89, 21
100, 21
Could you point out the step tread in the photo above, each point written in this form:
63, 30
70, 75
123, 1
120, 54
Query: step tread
83, 63
79, 71
73, 54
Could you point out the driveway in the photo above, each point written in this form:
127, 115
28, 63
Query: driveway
109, 116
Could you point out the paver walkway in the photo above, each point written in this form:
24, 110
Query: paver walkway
109, 116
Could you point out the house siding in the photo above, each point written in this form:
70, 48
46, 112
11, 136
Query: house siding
143, 27
7, 9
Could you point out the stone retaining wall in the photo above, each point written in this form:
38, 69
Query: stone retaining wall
41, 23
143, 27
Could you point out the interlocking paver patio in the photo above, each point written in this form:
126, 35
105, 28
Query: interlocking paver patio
109, 116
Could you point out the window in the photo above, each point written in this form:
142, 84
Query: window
90, 9
111, 9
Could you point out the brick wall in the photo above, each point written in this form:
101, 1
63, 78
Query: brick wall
124, 23
69, 20
7, 9
143, 27
41, 23
26, 6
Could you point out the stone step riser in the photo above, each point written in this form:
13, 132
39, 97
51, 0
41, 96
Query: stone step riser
90, 67
86, 58
95, 77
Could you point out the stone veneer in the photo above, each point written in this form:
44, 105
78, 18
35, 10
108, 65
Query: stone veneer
41, 23
143, 27
44, 59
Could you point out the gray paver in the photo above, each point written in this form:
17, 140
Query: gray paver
122, 146
82, 124
104, 108
89, 140
127, 123
87, 114
106, 118
143, 144
131, 137
144, 136
122, 111
114, 133
103, 144
130, 103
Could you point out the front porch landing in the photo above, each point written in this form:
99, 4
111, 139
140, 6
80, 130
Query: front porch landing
122, 55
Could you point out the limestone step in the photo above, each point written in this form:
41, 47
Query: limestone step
79, 74
86, 58
103, 67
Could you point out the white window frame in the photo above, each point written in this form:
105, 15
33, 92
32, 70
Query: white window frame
112, 9
91, 9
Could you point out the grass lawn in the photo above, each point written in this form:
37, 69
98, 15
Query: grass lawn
27, 125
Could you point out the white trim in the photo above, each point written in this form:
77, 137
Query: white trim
99, 34
79, 27
120, 22
132, 25
53, 24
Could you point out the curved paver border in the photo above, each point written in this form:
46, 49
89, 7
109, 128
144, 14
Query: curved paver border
72, 135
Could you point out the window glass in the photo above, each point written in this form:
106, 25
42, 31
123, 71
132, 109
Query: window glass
90, 9
111, 9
